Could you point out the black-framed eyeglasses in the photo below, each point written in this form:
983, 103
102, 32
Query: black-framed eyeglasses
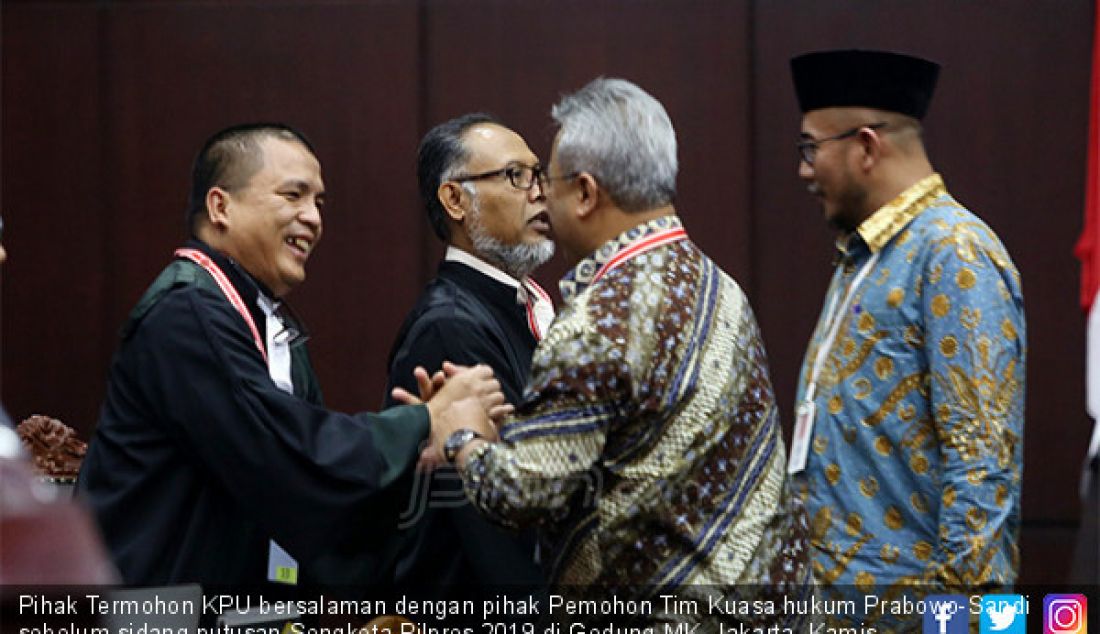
807, 148
521, 176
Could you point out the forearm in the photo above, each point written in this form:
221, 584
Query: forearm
514, 492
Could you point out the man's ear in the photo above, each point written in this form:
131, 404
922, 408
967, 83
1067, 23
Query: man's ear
450, 196
589, 194
217, 207
872, 148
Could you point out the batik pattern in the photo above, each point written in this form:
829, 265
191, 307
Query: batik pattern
647, 446
913, 477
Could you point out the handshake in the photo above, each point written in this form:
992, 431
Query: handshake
457, 397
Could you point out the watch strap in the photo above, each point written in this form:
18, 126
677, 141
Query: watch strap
456, 441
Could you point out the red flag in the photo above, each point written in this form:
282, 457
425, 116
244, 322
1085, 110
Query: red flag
1088, 246
1088, 251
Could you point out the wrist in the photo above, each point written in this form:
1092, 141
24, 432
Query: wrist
457, 441
468, 451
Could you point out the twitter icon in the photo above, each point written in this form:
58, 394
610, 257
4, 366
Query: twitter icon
1003, 614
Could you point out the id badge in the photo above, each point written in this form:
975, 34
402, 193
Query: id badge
281, 567
803, 431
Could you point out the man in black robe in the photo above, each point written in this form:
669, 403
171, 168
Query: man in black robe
214, 460
478, 182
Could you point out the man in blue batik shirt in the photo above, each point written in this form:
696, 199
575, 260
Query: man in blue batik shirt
909, 429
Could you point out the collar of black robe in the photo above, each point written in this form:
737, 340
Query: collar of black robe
248, 287
493, 291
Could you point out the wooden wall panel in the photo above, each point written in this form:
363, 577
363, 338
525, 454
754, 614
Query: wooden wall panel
108, 118
54, 290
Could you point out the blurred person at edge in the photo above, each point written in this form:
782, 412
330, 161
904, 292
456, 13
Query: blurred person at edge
46, 538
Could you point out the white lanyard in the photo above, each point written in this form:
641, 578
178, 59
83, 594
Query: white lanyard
804, 416
278, 362
833, 318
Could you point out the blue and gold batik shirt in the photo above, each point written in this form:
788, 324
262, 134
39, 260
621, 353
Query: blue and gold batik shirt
913, 474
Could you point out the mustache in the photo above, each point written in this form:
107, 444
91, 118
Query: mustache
814, 189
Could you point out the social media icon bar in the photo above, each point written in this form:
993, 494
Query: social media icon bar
946, 614
1065, 614
1003, 614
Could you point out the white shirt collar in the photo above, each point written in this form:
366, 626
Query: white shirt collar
266, 304
540, 308
454, 254
278, 350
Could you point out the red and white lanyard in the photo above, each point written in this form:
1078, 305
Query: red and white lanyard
532, 320
200, 258
659, 239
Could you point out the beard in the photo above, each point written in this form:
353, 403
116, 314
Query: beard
849, 210
517, 260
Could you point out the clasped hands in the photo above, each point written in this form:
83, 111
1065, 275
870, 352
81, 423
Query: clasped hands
457, 397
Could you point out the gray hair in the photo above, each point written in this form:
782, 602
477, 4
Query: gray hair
621, 135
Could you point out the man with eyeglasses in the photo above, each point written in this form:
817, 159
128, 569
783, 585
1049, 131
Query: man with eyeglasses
909, 428
214, 460
647, 447
478, 182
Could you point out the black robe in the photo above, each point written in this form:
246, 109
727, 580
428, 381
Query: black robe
199, 459
466, 317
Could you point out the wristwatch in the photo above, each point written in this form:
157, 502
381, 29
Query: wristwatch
456, 441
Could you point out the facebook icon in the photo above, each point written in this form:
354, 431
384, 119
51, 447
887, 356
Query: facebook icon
946, 614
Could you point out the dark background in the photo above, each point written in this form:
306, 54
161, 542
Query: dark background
105, 103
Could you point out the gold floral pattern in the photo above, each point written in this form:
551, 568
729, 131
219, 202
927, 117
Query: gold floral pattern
925, 386
941, 305
895, 297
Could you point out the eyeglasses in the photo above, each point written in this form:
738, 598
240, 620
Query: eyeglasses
521, 176
808, 148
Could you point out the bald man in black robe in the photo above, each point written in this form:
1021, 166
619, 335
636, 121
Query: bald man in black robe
214, 460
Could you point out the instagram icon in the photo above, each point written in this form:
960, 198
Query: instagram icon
1065, 614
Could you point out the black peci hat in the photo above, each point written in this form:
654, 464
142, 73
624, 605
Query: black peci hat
870, 79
